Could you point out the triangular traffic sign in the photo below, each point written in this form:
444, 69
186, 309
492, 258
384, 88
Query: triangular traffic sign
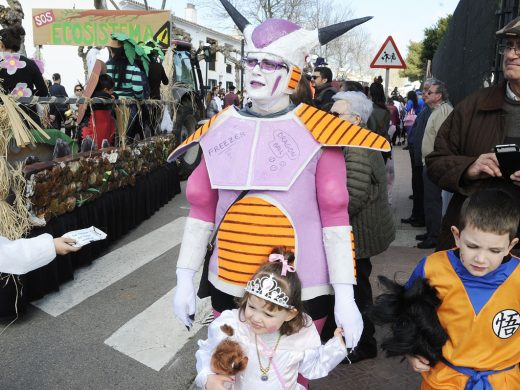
388, 56
163, 35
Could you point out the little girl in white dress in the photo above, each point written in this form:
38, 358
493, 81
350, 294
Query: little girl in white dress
279, 339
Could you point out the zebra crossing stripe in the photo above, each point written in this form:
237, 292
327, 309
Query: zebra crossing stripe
154, 336
112, 267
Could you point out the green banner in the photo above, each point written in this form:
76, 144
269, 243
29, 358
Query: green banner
93, 27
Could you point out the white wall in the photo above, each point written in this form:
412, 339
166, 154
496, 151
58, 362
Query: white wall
199, 34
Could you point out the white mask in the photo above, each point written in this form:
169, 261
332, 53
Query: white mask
267, 90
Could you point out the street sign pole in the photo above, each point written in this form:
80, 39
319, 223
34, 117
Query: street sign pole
387, 76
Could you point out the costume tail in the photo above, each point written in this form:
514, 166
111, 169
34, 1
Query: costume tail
415, 328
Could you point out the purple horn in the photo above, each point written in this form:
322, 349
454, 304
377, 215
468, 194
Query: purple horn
237, 17
327, 34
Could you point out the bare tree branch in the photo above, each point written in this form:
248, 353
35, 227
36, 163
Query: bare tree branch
257, 11
350, 52
83, 55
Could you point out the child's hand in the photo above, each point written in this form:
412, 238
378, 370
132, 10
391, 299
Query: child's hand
418, 363
339, 334
218, 382
63, 245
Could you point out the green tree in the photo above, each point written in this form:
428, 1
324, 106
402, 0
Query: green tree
432, 37
414, 67
420, 52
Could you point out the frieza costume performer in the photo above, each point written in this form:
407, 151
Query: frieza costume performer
290, 161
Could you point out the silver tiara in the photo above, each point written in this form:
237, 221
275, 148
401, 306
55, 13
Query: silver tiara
267, 288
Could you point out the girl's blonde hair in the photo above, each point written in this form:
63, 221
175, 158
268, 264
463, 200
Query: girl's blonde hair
290, 285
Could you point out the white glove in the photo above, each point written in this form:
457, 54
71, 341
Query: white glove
347, 315
184, 297
193, 249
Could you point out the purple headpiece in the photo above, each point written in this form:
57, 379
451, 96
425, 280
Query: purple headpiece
286, 39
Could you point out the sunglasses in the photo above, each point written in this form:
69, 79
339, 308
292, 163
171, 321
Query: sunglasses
338, 114
509, 46
266, 66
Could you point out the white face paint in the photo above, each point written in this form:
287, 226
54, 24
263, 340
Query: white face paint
267, 88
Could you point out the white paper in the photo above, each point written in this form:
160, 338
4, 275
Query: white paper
86, 236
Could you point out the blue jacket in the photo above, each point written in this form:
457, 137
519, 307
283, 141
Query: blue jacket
417, 133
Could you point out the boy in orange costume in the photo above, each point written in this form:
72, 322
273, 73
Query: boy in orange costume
478, 285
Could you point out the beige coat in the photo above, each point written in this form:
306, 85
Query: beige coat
436, 119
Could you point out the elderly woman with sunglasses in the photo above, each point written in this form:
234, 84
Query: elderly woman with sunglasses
368, 209
296, 191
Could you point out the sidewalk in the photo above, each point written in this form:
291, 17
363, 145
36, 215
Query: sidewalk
398, 261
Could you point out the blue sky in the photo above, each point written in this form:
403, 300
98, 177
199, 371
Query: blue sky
404, 20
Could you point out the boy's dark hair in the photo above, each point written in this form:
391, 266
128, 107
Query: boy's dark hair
105, 81
492, 211
324, 72
56, 76
11, 37
290, 284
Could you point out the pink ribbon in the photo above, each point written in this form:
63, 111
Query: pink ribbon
274, 257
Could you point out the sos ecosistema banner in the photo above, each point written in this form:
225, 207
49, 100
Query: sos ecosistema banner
92, 27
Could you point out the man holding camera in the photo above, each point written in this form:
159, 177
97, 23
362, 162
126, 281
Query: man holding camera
463, 159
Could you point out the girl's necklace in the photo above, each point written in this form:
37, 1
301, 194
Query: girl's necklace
264, 377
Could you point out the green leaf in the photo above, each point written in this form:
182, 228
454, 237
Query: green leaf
119, 36
152, 46
146, 65
147, 50
129, 52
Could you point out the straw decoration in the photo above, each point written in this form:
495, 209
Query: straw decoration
14, 219
20, 203
21, 133
122, 118
4, 178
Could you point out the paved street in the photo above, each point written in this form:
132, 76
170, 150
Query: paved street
112, 326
